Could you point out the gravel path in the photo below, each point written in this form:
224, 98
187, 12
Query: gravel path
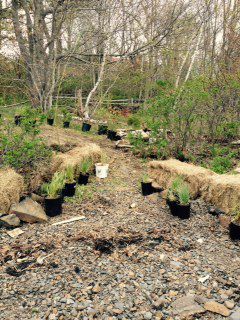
128, 259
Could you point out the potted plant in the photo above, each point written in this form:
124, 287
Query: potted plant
113, 136
67, 118
53, 194
146, 185
84, 169
86, 126
70, 183
234, 227
102, 168
50, 117
18, 117
178, 199
102, 129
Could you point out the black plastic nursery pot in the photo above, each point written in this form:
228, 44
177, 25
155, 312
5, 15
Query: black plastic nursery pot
146, 188
83, 179
53, 207
17, 120
86, 127
66, 124
183, 212
112, 135
234, 230
69, 189
50, 121
173, 207
102, 129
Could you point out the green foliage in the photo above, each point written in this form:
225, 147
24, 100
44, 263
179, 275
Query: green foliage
221, 164
69, 174
145, 178
67, 117
51, 113
31, 120
134, 122
82, 193
53, 189
184, 195
86, 166
228, 130
179, 191
22, 151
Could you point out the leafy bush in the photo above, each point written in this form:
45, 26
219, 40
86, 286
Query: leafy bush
67, 117
221, 164
134, 122
22, 151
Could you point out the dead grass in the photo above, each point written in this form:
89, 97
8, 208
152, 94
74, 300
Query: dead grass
11, 188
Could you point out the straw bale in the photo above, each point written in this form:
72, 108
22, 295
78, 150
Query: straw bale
11, 188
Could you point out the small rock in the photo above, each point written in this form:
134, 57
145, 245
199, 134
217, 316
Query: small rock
224, 221
186, 306
172, 293
203, 279
229, 304
200, 299
176, 264
159, 315
96, 289
117, 311
216, 307
133, 205
11, 220
147, 315
235, 315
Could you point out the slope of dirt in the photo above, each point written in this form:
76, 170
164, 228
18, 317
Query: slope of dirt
128, 259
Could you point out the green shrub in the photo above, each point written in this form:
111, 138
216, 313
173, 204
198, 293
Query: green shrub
134, 122
67, 117
22, 151
221, 164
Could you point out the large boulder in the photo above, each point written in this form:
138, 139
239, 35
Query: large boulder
11, 188
29, 211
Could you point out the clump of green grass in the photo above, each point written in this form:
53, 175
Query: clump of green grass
53, 189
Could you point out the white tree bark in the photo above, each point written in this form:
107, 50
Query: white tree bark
94, 89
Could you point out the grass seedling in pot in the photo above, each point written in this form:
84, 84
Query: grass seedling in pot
70, 184
53, 194
178, 198
234, 227
146, 185
84, 171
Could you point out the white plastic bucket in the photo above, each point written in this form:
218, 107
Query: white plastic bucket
101, 170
